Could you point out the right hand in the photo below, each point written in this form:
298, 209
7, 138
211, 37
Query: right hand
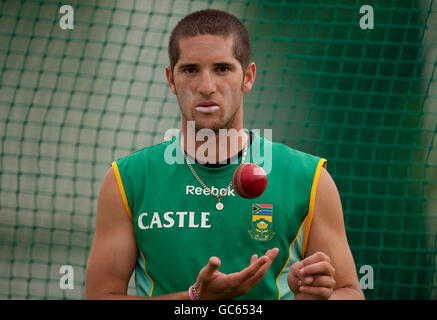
212, 284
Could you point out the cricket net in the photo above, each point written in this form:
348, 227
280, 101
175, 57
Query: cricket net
72, 101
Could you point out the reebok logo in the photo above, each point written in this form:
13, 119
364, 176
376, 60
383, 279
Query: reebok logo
197, 191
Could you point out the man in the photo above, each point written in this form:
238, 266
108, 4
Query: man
186, 241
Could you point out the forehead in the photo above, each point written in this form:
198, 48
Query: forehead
206, 48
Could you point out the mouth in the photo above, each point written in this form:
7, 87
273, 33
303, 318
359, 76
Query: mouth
207, 107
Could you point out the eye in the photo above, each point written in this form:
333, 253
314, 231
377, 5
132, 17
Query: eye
190, 70
223, 69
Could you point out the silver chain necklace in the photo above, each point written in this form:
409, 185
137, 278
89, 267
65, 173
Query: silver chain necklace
219, 195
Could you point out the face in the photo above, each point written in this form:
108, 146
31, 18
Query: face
209, 82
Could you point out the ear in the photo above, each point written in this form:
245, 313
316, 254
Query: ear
249, 77
170, 79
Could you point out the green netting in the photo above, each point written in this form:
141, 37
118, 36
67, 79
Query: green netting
71, 101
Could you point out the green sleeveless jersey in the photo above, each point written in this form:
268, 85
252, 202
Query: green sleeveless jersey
178, 228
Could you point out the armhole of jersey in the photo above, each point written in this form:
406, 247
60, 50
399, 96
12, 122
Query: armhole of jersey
288, 259
145, 270
121, 189
309, 218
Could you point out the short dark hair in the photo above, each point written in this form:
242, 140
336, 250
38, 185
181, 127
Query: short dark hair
214, 22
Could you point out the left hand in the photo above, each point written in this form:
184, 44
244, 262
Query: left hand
312, 278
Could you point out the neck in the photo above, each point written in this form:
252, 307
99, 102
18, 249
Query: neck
206, 145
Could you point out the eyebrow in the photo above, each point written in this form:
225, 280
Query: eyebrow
187, 65
224, 64
195, 65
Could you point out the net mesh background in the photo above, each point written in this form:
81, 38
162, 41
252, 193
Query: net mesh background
72, 101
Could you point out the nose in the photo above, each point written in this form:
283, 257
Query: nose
207, 85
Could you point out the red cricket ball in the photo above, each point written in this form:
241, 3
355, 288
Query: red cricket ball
249, 180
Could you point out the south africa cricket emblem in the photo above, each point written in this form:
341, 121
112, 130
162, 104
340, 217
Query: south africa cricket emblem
262, 222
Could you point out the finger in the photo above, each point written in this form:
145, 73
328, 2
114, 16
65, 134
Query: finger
252, 281
316, 257
295, 270
321, 292
322, 281
271, 254
295, 267
318, 281
246, 273
293, 276
306, 281
323, 267
253, 258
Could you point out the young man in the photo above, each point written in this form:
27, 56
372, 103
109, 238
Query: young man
186, 241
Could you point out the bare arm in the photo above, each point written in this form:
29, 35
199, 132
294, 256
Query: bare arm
114, 253
328, 271
114, 250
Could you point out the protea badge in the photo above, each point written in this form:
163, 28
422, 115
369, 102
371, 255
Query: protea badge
262, 221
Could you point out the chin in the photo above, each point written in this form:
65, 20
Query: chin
212, 125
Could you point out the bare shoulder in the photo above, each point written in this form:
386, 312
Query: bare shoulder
327, 231
327, 189
109, 184
110, 198
112, 221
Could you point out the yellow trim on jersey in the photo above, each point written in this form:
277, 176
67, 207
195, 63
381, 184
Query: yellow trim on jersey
145, 270
289, 255
121, 188
322, 163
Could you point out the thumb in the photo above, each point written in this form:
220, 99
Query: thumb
293, 276
213, 264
